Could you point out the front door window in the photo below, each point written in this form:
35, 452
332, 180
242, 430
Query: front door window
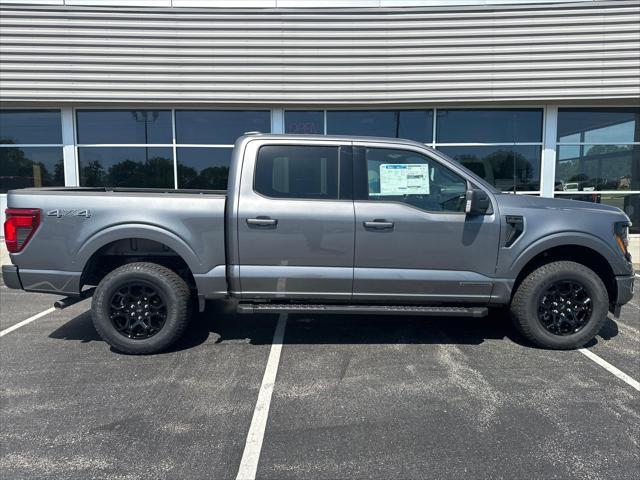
409, 177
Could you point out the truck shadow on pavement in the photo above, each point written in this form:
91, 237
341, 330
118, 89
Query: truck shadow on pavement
216, 325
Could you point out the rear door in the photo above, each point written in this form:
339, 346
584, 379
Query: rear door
414, 242
296, 221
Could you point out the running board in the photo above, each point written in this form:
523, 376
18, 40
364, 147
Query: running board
476, 312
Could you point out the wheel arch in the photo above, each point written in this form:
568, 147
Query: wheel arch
576, 252
120, 244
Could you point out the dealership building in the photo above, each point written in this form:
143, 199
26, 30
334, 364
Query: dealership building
538, 97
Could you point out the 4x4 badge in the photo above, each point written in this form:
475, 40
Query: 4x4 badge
62, 212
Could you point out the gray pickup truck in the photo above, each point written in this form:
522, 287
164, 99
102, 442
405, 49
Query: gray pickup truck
323, 224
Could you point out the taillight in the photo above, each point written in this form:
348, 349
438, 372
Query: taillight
19, 227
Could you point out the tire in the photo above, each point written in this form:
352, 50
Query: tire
151, 290
530, 305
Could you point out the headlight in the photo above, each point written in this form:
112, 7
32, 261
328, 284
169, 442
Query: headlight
621, 231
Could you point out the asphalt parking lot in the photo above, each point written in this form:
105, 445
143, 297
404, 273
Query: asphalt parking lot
354, 397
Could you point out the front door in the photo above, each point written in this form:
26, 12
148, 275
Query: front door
414, 243
296, 222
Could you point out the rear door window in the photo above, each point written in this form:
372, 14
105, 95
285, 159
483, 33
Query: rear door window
298, 171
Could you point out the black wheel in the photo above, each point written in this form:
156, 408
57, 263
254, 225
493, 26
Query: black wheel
560, 305
141, 308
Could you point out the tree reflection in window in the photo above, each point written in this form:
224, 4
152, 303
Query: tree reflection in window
210, 178
126, 167
203, 168
30, 167
597, 167
507, 168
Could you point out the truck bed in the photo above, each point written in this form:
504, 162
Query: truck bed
77, 222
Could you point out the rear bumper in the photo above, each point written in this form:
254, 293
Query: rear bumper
10, 276
43, 281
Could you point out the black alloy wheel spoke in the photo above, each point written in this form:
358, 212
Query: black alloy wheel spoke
565, 307
137, 311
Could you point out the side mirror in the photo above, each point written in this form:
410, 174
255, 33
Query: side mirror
477, 202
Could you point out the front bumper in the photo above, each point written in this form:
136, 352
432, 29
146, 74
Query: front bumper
625, 289
10, 276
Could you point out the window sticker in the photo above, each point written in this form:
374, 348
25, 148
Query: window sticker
404, 179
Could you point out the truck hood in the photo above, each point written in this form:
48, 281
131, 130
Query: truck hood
508, 201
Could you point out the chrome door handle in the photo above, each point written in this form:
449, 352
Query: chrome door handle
262, 221
378, 224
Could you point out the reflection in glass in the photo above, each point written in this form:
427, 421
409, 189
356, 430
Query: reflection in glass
126, 167
221, 127
489, 126
203, 168
30, 167
124, 126
411, 124
505, 167
597, 167
598, 125
30, 126
304, 122
630, 204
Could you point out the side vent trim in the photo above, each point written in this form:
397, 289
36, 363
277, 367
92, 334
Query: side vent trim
516, 223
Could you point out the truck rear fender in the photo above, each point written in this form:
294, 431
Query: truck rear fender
149, 232
117, 233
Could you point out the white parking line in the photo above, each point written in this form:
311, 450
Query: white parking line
607, 366
24, 322
253, 445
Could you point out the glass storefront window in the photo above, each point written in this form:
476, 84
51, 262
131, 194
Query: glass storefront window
126, 167
24, 164
629, 204
505, 167
598, 150
124, 126
30, 127
489, 126
599, 125
411, 124
220, 127
203, 168
598, 167
304, 122
30, 167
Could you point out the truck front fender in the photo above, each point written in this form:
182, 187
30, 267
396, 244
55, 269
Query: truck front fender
560, 239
